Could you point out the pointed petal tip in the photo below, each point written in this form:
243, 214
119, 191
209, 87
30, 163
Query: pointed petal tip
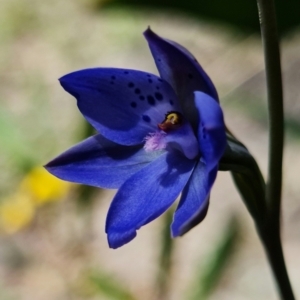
48, 168
60, 79
65, 82
177, 231
69, 84
51, 168
48, 165
119, 239
64, 79
55, 162
174, 233
147, 30
148, 33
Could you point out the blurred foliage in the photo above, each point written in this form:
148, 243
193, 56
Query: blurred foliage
13, 144
165, 257
99, 283
241, 14
257, 111
217, 261
17, 13
5, 295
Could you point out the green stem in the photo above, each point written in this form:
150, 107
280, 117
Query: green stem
272, 244
165, 259
275, 103
269, 229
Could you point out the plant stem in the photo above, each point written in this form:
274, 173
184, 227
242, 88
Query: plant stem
275, 104
269, 229
272, 244
165, 259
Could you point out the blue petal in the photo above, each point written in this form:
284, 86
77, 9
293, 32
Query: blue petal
123, 105
194, 201
183, 139
99, 162
146, 195
211, 130
179, 67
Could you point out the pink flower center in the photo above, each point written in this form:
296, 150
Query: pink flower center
155, 141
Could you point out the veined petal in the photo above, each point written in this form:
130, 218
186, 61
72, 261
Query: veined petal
194, 201
211, 129
99, 162
146, 195
124, 105
179, 67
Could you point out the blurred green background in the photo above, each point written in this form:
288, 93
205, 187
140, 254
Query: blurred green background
239, 14
53, 244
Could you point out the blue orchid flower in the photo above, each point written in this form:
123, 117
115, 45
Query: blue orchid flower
158, 137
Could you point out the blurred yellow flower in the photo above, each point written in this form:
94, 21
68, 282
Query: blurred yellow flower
37, 188
16, 212
44, 187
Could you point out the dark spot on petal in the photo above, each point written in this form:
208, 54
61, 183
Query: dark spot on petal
142, 98
203, 131
157, 87
159, 59
171, 102
133, 104
148, 75
113, 77
111, 82
151, 100
130, 84
159, 79
150, 80
159, 96
126, 72
146, 118
190, 76
137, 91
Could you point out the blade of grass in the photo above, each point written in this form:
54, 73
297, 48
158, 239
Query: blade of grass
165, 258
207, 277
109, 287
